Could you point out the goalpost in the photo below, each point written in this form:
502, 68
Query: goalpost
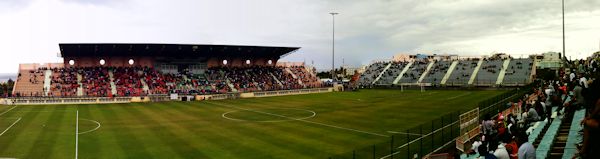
421, 85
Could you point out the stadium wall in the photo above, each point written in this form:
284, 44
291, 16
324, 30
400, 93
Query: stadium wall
107, 100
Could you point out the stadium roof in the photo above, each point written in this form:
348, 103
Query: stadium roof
170, 50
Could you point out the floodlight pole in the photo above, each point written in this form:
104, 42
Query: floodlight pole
563, 28
333, 47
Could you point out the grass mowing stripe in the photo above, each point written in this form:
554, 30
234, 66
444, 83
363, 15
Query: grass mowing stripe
343, 121
171, 133
308, 121
302, 133
19, 141
274, 137
129, 144
97, 144
225, 142
165, 134
50, 133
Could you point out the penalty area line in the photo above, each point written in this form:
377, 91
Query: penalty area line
10, 126
396, 132
7, 110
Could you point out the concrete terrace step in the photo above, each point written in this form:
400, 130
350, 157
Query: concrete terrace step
570, 148
475, 71
113, 86
426, 71
47, 81
404, 70
382, 72
503, 71
275, 77
450, 69
80, 89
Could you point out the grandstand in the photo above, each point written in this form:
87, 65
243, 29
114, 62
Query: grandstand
488, 72
437, 72
390, 75
482, 72
462, 72
372, 72
123, 70
518, 71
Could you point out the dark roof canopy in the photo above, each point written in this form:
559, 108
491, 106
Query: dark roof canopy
170, 50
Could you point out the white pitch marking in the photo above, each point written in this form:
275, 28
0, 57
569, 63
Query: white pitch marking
307, 121
459, 95
77, 135
7, 110
10, 126
396, 132
97, 127
224, 115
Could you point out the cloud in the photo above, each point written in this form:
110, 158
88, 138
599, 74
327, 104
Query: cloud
365, 30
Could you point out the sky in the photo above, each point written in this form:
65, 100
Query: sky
365, 30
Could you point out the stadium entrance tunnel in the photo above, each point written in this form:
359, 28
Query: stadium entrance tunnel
269, 114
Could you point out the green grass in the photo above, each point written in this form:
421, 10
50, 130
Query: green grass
262, 127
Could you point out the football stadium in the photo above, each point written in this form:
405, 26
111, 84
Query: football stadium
239, 100
230, 101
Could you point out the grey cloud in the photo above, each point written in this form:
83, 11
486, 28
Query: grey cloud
409, 26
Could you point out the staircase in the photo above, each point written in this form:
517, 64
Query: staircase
231, 86
535, 137
80, 89
574, 136
47, 81
254, 82
560, 143
144, 85
382, 72
426, 71
404, 70
113, 87
544, 147
475, 71
279, 82
447, 75
287, 69
310, 71
503, 71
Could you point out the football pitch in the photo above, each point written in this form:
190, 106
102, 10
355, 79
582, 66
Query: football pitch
301, 126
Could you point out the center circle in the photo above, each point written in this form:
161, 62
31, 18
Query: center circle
269, 114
